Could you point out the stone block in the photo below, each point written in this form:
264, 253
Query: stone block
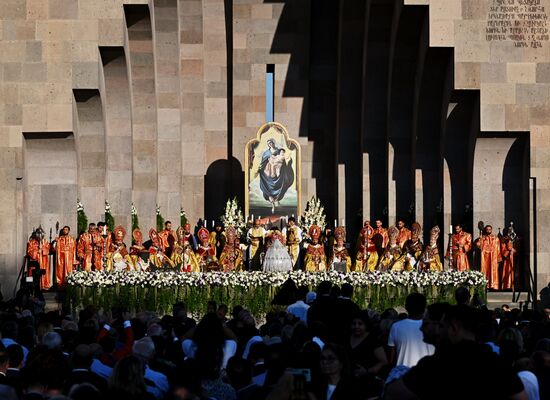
53, 51
33, 51
84, 29
92, 159
7, 158
242, 11
15, 139
11, 93
539, 114
261, 11
475, 9
492, 117
53, 30
190, 8
36, 9
34, 72
504, 51
442, 33
92, 177
50, 199
119, 161
12, 72
214, 42
111, 32
18, 30
242, 72
13, 114
467, 75
145, 181
472, 51
63, 9
85, 75
14, 9
445, 9
517, 117
532, 93
35, 117
498, 93
493, 72
474, 30
102, 9
191, 67
60, 117
543, 72
12, 51
521, 72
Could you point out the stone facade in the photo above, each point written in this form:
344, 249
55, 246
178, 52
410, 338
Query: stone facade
402, 108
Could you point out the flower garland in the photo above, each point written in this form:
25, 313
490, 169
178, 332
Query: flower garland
109, 220
159, 290
313, 215
160, 220
233, 216
82, 219
260, 278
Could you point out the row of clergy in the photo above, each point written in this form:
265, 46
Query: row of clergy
402, 249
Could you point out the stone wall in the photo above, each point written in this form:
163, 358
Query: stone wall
399, 110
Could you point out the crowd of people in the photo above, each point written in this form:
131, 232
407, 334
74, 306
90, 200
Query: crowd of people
395, 249
316, 345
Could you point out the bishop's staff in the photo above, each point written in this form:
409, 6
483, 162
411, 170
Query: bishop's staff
450, 247
481, 227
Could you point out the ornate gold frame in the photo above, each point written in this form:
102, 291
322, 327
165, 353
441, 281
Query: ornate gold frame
263, 129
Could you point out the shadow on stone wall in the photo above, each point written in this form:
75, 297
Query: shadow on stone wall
223, 179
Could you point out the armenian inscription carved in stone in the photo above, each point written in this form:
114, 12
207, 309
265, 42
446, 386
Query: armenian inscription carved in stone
524, 22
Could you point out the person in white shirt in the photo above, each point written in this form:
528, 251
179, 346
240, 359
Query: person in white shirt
299, 308
406, 341
144, 349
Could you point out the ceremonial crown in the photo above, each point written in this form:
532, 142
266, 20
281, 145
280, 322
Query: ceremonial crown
203, 234
119, 232
340, 233
137, 235
314, 231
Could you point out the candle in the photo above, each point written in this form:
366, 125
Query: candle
204, 223
212, 223
451, 229
252, 217
104, 229
335, 223
343, 222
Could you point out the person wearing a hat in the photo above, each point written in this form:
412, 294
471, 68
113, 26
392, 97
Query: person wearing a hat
315, 259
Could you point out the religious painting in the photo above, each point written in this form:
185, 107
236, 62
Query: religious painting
272, 165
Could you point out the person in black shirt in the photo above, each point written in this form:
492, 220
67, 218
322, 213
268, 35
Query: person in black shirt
461, 368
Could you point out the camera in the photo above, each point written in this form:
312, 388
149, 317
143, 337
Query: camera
304, 372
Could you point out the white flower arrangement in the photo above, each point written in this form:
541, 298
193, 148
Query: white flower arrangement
314, 215
182, 212
258, 278
79, 205
233, 216
107, 207
158, 210
133, 210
